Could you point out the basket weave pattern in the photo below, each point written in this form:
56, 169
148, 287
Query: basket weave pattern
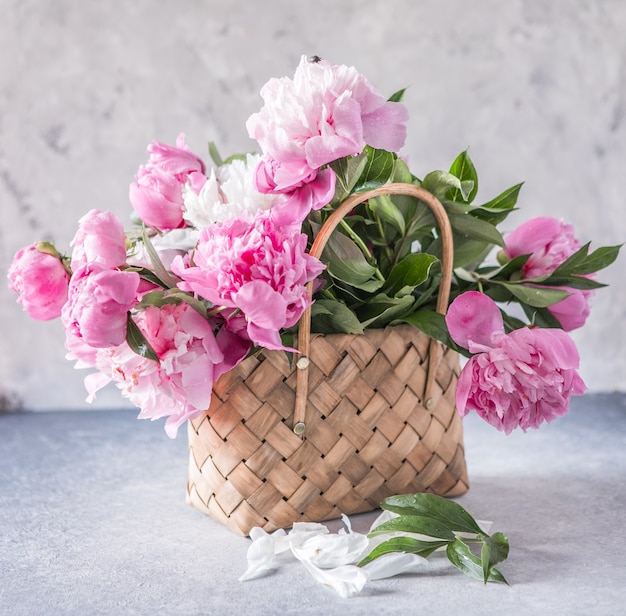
356, 419
368, 433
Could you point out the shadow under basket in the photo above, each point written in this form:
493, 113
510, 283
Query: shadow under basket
368, 433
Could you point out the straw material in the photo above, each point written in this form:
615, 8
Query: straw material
368, 434
351, 420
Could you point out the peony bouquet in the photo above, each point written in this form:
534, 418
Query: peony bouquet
215, 265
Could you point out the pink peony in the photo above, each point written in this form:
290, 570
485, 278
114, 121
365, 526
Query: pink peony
41, 282
520, 379
99, 300
550, 242
572, 312
257, 267
325, 113
179, 385
100, 239
157, 195
294, 205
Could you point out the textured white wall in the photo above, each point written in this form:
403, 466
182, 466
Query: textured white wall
536, 88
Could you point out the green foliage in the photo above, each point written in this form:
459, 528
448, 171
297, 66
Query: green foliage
397, 97
463, 169
426, 523
137, 341
383, 261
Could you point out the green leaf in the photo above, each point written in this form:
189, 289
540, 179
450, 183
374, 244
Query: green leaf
288, 339
397, 97
498, 548
435, 516
146, 274
570, 265
599, 259
382, 310
156, 298
467, 253
402, 174
499, 208
137, 341
496, 576
197, 304
430, 505
348, 171
331, 316
440, 182
473, 228
233, 157
159, 269
408, 273
404, 544
463, 168
462, 558
538, 297
378, 169
508, 269
419, 525
541, 317
581, 263
215, 155
573, 282
345, 261
433, 325
386, 209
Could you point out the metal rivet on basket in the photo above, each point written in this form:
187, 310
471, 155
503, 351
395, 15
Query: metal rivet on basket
302, 363
299, 428
429, 404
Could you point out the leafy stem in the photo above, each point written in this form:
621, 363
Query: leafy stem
420, 516
364, 249
383, 238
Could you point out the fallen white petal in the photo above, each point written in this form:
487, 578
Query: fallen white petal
383, 517
345, 580
328, 551
261, 556
329, 557
392, 564
261, 553
346, 520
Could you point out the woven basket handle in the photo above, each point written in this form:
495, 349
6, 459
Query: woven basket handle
304, 330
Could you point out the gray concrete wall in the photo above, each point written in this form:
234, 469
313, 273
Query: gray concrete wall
535, 88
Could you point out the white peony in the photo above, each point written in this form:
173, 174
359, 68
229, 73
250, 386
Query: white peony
228, 192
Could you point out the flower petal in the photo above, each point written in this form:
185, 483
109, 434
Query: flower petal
261, 553
473, 320
394, 563
333, 550
345, 580
262, 305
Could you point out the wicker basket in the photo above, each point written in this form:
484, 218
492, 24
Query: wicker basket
355, 419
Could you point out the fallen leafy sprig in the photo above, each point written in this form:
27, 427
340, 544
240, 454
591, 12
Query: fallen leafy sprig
410, 529
445, 524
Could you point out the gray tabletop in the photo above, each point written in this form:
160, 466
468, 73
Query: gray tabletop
93, 520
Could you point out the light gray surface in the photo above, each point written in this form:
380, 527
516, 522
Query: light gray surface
535, 88
93, 521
